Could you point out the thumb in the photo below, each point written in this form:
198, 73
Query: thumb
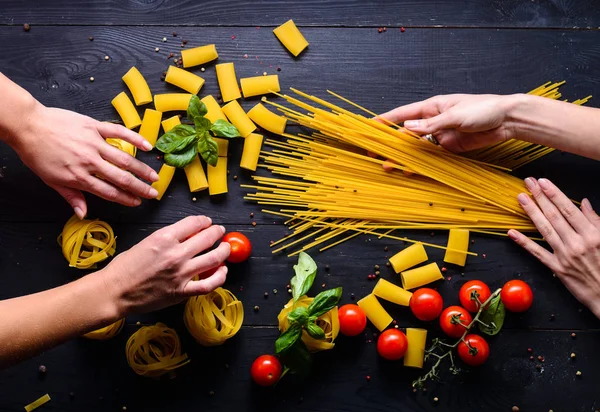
434, 124
588, 211
75, 198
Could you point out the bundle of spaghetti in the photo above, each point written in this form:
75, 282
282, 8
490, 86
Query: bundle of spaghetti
515, 153
86, 242
154, 350
106, 332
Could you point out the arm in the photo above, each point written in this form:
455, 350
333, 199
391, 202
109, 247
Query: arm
69, 152
154, 274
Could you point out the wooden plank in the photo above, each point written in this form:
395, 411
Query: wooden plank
410, 13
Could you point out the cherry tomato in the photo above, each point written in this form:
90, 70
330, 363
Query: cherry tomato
469, 290
352, 320
452, 320
476, 353
516, 296
240, 247
266, 370
426, 304
392, 344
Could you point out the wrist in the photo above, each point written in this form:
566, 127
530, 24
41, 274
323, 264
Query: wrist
20, 121
515, 107
111, 303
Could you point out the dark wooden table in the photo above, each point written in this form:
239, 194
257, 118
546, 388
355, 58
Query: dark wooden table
499, 46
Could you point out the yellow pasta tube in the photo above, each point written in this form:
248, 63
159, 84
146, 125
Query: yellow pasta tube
223, 145
251, 152
421, 276
37, 403
199, 55
392, 293
375, 312
138, 86
122, 145
168, 102
126, 110
409, 257
266, 119
227, 82
106, 332
195, 175
214, 110
291, 38
217, 177
415, 352
258, 85
458, 239
86, 242
151, 125
238, 117
165, 175
170, 123
184, 79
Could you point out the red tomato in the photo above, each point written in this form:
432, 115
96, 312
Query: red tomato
352, 320
240, 247
469, 290
516, 296
452, 320
392, 344
426, 304
266, 370
476, 353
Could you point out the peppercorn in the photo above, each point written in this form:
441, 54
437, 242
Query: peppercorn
376, 267
256, 308
156, 49
436, 399
430, 203
92, 79
193, 199
388, 264
289, 290
368, 378
352, 296
164, 39
385, 29
42, 369
184, 41
274, 291
279, 69
540, 358
106, 58
91, 38
531, 357
26, 27
515, 409
573, 335
402, 29
552, 316
444, 269
322, 285
71, 395
253, 224
529, 350
573, 355
578, 373
266, 295
380, 30
326, 268
377, 273
251, 214
124, 408
538, 367
211, 393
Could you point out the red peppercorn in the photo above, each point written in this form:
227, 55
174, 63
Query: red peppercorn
385, 29
368, 378
444, 269
529, 350
402, 29
380, 30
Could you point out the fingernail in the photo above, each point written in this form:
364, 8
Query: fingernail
79, 212
530, 183
222, 228
544, 183
209, 220
512, 234
225, 269
138, 201
153, 193
147, 146
412, 124
586, 203
154, 176
523, 199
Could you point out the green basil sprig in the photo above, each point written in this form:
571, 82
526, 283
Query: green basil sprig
182, 143
492, 318
306, 270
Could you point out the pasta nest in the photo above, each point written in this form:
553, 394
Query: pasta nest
106, 332
86, 242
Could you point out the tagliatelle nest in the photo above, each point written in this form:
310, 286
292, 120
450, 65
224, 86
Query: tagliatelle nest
86, 242
106, 332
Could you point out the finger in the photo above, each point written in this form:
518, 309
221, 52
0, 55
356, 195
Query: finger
189, 226
125, 180
203, 240
109, 192
456, 141
204, 286
128, 162
113, 130
539, 220
446, 120
75, 198
564, 205
588, 211
553, 215
536, 250
209, 260
416, 110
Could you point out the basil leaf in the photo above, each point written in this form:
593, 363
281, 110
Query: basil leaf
493, 316
221, 128
299, 316
297, 358
288, 338
183, 158
306, 270
324, 302
315, 331
176, 139
196, 108
208, 149
202, 124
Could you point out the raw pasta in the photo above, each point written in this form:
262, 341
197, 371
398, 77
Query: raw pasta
227, 82
392, 293
138, 86
168, 102
184, 79
165, 175
106, 332
421, 276
266, 119
375, 312
291, 38
126, 110
239, 118
251, 152
199, 55
151, 125
85, 242
258, 85
415, 352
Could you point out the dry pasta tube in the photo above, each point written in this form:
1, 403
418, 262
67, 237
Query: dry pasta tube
170, 123
168, 102
123, 146
421, 276
251, 152
227, 82
223, 145
138, 86
291, 38
165, 175
184, 79
214, 110
258, 85
375, 312
217, 177
37, 403
415, 352
409, 257
199, 55
106, 332
392, 293
238, 117
86, 242
195, 175
213, 318
329, 322
458, 239
266, 119
151, 125
126, 110
154, 350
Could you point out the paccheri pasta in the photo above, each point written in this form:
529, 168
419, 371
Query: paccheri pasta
168, 102
291, 38
259, 85
375, 312
458, 245
184, 80
421, 276
155, 350
214, 110
86, 242
106, 332
266, 119
213, 318
392, 293
170, 123
126, 110
238, 117
195, 176
151, 125
199, 55
223, 146
217, 177
123, 146
409, 257
165, 175
415, 352
251, 151
138, 86
227, 82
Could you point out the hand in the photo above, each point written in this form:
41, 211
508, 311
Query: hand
68, 151
158, 271
573, 234
459, 122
